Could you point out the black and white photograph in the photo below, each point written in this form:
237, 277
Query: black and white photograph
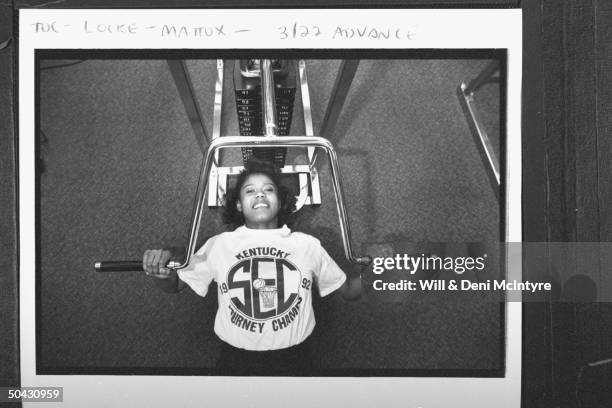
210, 210
120, 155
270, 212
270, 206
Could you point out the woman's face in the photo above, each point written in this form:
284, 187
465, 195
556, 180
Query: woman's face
259, 202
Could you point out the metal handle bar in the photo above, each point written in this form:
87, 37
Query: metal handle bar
254, 141
125, 266
273, 141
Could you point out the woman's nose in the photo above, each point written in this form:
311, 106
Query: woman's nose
259, 194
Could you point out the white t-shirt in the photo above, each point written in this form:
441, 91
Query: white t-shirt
264, 278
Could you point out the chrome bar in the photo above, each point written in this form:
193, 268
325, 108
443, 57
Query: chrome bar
286, 169
179, 72
483, 143
308, 128
272, 141
315, 189
218, 107
482, 78
214, 195
345, 76
268, 98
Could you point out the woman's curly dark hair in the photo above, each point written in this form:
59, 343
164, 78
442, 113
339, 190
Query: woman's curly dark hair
232, 216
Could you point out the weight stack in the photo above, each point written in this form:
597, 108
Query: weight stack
249, 109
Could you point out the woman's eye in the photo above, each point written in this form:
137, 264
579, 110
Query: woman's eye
249, 190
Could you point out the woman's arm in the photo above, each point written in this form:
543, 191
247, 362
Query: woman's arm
154, 263
351, 288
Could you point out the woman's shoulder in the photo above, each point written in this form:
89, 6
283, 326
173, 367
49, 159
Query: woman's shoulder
217, 238
304, 237
225, 235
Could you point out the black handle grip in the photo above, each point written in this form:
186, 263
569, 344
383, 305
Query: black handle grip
126, 266
119, 266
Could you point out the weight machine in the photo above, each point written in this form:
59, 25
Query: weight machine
265, 92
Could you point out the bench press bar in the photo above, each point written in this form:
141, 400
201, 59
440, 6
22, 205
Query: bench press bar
258, 141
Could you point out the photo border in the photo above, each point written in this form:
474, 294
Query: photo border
505, 218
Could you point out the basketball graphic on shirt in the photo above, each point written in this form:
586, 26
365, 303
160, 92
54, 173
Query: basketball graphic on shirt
262, 288
266, 293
